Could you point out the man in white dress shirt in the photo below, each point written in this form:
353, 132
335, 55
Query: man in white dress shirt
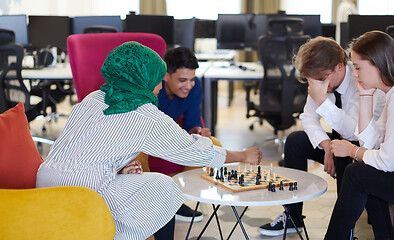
333, 96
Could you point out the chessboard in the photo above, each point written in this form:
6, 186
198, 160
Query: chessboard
248, 179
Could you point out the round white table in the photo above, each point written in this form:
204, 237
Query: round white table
200, 190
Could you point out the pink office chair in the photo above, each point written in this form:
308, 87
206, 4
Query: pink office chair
87, 54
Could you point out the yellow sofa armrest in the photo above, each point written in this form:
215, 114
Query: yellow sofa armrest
54, 213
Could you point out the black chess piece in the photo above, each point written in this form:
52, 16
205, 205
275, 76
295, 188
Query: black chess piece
258, 176
225, 170
257, 181
295, 186
269, 186
273, 188
281, 185
235, 175
291, 187
211, 174
217, 174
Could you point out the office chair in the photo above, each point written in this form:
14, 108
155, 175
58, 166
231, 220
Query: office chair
285, 26
390, 30
282, 96
87, 54
12, 87
100, 29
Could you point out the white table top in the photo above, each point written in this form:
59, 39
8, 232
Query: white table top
62, 71
223, 70
197, 189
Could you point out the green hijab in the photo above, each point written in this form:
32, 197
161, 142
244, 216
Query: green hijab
131, 71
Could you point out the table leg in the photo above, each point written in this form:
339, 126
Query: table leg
291, 219
217, 221
191, 223
208, 222
240, 223
242, 214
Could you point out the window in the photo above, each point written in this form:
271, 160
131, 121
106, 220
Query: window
322, 7
376, 7
202, 9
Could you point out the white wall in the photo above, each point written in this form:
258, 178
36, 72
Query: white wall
69, 7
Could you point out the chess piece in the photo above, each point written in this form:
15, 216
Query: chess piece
211, 174
295, 186
281, 185
273, 188
269, 186
259, 170
274, 177
225, 170
257, 181
217, 174
291, 187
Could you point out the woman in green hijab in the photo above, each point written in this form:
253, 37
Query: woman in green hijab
110, 127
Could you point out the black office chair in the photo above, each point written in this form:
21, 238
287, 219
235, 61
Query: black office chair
12, 87
99, 29
285, 26
390, 30
282, 96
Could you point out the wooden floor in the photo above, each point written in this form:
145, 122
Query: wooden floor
234, 134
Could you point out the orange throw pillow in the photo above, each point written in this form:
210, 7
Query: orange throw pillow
19, 157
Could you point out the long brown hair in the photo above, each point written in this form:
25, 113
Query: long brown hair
378, 48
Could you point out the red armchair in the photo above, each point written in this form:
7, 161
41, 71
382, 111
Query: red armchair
87, 54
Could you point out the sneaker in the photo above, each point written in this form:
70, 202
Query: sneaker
276, 227
185, 214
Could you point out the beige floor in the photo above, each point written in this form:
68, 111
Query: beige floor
233, 132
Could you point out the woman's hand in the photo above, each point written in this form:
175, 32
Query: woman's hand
341, 148
205, 132
252, 155
363, 91
132, 167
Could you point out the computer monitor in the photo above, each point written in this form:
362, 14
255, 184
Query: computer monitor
18, 24
360, 24
79, 23
161, 25
312, 24
240, 31
49, 31
204, 28
184, 32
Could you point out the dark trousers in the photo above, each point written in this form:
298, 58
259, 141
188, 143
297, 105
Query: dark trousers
166, 232
298, 150
361, 182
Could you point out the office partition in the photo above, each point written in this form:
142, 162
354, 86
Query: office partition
79, 23
18, 24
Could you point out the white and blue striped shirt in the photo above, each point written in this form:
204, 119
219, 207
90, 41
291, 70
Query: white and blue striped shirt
94, 147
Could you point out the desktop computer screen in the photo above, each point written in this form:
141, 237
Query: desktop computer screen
79, 23
204, 28
184, 32
360, 24
49, 31
240, 31
18, 24
161, 25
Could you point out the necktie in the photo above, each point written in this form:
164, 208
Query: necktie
338, 103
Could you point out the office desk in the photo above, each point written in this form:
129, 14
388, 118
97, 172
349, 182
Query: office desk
61, 71
224, 71
200, 190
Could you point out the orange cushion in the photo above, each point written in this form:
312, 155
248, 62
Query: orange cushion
19, 157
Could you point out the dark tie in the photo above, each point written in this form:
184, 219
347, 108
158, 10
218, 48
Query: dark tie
338, 103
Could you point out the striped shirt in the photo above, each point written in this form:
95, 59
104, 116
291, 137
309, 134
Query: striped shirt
94, 147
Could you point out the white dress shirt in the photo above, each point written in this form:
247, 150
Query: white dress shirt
378, 137
343, 120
